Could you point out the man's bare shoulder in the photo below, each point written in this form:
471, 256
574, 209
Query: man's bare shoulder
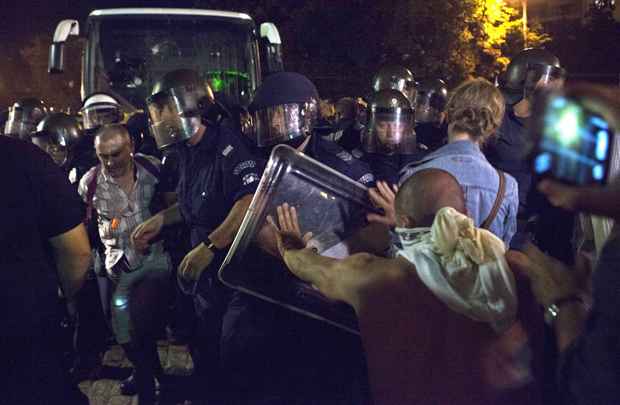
372, 271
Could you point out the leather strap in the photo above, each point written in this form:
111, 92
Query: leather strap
90, 194
498, 201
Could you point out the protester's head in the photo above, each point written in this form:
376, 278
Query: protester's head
114, 149
475, 108
423, 194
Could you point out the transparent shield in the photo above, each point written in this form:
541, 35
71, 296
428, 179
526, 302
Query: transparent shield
328, 204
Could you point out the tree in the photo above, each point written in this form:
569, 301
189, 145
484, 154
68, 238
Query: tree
455, 39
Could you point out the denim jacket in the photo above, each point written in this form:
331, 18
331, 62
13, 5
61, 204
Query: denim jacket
480, 183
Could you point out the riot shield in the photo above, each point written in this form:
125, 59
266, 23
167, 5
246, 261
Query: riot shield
330, 205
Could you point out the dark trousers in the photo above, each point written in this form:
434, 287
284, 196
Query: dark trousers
210, 303
143, 354
33, 369
270, 353
92, 327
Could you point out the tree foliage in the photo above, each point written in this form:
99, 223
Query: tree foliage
338, 44
460, 38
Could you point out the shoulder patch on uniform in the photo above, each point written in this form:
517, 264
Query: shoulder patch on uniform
344, 155
250, 178
248, 164
367, 178
227, 150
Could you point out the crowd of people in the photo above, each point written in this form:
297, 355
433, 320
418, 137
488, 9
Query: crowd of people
484, 283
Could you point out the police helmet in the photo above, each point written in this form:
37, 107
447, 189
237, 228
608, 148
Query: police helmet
396, 77
284, 108
430, 101
100, 109
390, 127
178, 102
532, 67
24, 115
57, 134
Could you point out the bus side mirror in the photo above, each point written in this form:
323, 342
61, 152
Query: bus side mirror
271, 48
64, 29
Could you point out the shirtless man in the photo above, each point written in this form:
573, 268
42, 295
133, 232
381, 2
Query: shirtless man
418, 349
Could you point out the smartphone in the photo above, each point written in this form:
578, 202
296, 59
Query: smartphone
574, 142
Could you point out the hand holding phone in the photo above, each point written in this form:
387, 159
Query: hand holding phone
574, 140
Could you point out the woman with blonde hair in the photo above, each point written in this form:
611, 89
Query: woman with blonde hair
473, 113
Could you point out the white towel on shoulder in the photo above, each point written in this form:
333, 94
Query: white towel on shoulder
464, 267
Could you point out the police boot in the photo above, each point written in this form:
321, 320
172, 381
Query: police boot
144, 378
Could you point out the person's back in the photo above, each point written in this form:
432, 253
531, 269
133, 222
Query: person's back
454, 361
33, 222
439, 323
480, 183
474, 111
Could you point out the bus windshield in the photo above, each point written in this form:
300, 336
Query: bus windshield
131, 53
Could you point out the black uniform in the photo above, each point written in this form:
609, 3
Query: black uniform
213, 175
431, 135
507, 153
387, 167
272, 352
553, 228
351, 135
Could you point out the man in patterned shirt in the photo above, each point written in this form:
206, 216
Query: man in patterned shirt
121, 190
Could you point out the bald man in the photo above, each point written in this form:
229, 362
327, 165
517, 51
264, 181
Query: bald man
420, 345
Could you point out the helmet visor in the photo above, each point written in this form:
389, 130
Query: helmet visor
55, 147
546, 76
551, 76
175, 114
97, 116
390, 131
22, 122
285, 122
427, 108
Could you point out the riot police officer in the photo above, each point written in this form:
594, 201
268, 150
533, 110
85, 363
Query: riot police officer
430, 101
396, 77
23, 117
389, 138
271, 352
100, 109
528, 72
285, 110
218, 176
348, 127
531, 71
58, 134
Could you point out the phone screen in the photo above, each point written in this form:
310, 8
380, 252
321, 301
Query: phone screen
575, 144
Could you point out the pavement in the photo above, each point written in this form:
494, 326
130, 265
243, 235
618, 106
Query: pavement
176, 362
